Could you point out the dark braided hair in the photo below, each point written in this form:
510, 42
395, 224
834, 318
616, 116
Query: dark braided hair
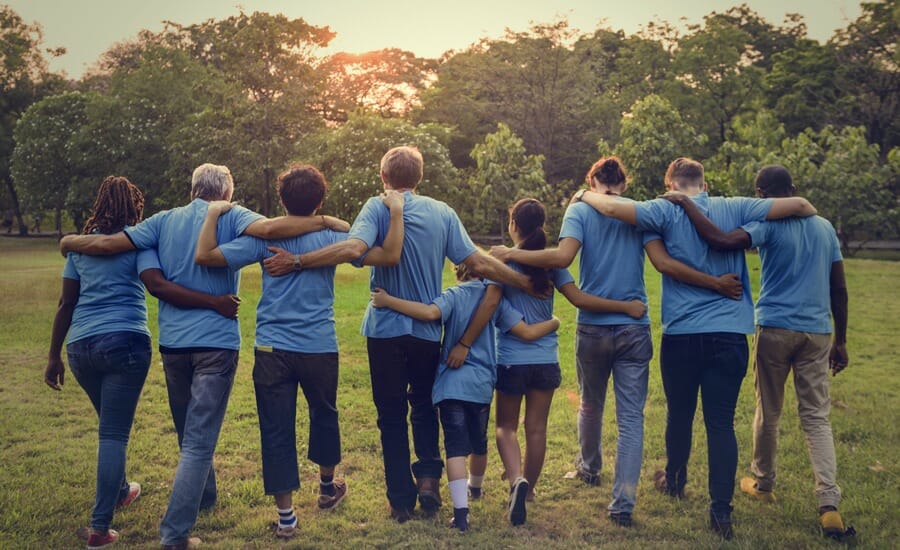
119, 204
529, 216
608, 171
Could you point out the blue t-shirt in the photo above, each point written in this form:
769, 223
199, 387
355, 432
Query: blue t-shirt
296, 311
432, 232
612, 261
688, 309
795, 285
111, 296
173, 233
474, 380
512, 350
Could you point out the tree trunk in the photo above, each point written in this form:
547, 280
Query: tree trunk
23, 228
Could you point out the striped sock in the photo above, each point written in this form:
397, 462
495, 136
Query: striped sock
286, 517
326, 485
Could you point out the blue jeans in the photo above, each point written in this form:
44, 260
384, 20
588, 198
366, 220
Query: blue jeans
402, 371
713, 364
199, 385
625, 352
111, 368
276, 375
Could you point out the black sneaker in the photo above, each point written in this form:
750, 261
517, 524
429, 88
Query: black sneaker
460, 519
622, 519
517, 495
721, 524
475, 493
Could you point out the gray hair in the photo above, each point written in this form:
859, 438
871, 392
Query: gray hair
211, 182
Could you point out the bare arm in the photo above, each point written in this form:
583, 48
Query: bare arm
736, 239
416, 310
479, 320
582, 300
490, 268
609, 206
55, 372
791, 206
839, 359
728, 285
225, 305
284, 227
208, 252
550, 258
534, 331
96, 245
391, 249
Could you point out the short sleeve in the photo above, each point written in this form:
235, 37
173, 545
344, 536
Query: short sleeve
506, 316
146, 234
445, 302
653, 215
752, 210
836, 255
758, 231
241, 218
459, 245
365, 226
572, 225
148, 259
69, 271
243, 251
561, 277
648, 236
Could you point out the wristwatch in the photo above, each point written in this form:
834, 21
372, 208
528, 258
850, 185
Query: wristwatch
578, 195
298, 265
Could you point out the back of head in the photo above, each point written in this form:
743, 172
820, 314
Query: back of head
119, 203
529, 216
686, 173
607, 171
402, 167
302, 189
211, 182
463, 273
774, 181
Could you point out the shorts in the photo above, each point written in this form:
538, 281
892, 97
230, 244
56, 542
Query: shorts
518, 379
465, 427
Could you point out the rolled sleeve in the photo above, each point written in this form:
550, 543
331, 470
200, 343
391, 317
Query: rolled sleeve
365, 226
146, 234
148, 259
653, 215
758, 232
69, 271
243, 251
573, 224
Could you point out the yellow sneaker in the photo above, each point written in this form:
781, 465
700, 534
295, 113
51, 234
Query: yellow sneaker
833, 525
748, 485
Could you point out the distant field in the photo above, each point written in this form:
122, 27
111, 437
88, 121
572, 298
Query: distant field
48, 443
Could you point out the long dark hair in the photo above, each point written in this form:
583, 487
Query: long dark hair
119, 203
529, 216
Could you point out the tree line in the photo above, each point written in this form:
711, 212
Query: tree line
521, 115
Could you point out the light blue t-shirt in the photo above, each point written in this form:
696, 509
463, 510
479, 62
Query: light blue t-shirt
795, 284
173, 233
612, 261
111, 296
474, 380
432, 232
688, 309
296, 311
512, 350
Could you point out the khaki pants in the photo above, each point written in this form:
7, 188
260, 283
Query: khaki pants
777, 352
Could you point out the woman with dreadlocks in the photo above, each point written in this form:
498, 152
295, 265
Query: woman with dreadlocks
103, 312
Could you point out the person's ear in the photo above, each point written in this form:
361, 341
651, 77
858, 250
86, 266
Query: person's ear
705, 186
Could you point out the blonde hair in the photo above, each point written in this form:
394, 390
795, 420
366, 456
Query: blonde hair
686, 172
402, 167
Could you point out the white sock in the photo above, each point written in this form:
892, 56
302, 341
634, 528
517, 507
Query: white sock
475, 481
459, 493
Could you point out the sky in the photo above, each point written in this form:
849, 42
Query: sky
428, 28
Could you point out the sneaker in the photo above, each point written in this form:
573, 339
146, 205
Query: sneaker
662, 485
587, 477
722, 525
189, 544
832, 524
749, 486
429, 494
330, 502
134, 491
517, 494
475, 493
622, 519
97, 539
401, 515
286, 531
460, 519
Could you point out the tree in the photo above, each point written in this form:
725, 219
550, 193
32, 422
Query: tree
802, 86
756, 141
505, 173
653, 135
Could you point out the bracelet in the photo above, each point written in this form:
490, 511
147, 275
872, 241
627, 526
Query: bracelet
464, 345
298, 265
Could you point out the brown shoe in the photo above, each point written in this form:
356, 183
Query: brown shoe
189, 544
401, 515
330, 502
429, 494
662, 485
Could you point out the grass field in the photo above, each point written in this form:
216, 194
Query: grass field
48, 444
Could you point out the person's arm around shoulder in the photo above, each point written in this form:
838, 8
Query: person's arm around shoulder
487, 267
96, 245
728, 285
55, 372
479, 320
284, 227
736, 239
158, 286
416, 310
786, 207
635, 309
608, 205
208, 252
534, 331
391, 249
838, 358
560, 257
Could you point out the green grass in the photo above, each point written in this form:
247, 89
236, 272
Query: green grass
48, 443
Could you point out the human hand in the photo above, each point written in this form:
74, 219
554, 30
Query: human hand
501, 252
55, 373
838, 358
393, 200
636, 309
65, 244
280, 264
675, 197
556, 322
227, 305
217, 208
457, 356
729, 285
380, 298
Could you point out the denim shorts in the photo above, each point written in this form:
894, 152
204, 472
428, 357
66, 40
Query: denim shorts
518, 379
465, 427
